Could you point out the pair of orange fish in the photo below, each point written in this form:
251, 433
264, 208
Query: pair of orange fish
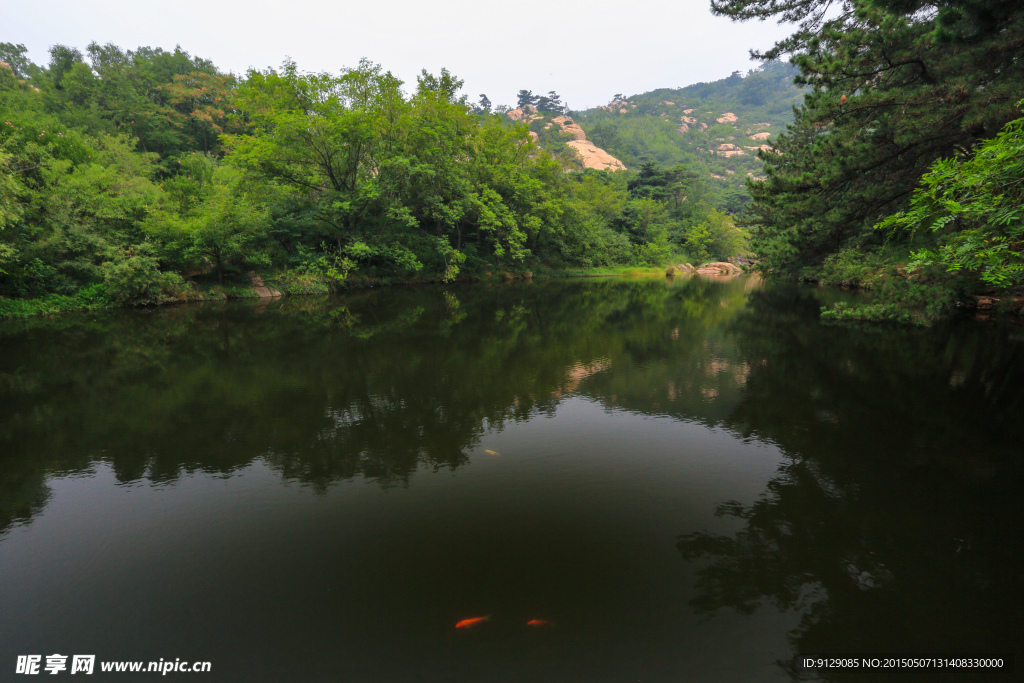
466, 623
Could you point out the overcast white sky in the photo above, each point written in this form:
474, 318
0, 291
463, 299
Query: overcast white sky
586, 51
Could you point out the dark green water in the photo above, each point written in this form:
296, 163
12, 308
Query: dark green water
690, 480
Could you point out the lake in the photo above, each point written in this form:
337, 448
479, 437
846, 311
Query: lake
685, 479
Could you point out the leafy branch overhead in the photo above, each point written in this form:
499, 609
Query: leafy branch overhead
975, 211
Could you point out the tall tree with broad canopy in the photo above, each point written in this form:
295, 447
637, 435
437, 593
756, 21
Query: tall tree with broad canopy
384, 172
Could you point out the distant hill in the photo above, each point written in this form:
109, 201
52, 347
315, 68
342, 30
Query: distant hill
716, 128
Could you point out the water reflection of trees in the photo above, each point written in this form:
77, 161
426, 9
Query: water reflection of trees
374, 385
890, 525
893, 524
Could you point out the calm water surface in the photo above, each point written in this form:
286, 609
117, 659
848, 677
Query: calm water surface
690, 480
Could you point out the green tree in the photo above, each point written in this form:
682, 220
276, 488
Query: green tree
209, 215
669, 185
526, 97
973, 208
376, 168
202, 107
549, 103
72, 204
713, 236
318, 135
756, 89
894, 85
14, 56
132, 91
484, 107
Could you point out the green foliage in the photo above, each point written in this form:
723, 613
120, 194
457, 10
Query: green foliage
209, 214
140, 175
14, 57
724, 240
918, 296
136, 278
893, 87
70, 202
299, 281
91, 298
400, 171
888, 312
10, 208
170, 102
974, 209
452, 258
697, 242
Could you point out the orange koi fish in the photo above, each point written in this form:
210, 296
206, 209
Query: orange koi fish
466, 623
538, 622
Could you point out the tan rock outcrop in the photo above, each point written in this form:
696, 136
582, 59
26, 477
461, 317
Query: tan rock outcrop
256, 282
569, 126
719, 268
727, 117
760, 136
590, 155
525, 114
594, 157
729, 150
683, 128
688, 111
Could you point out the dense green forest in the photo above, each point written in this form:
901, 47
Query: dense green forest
140, 176
903, 167
893, 160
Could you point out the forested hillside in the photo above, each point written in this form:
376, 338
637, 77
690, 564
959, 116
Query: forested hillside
714, 128
139, 176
